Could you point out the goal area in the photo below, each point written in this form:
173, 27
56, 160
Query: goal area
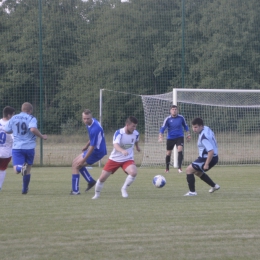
233, 115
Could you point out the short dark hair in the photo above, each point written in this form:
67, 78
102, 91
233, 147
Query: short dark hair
87, 112
8, 111
174, 106
197, 121
131, 119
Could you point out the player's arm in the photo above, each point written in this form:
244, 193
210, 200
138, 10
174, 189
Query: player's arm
137, 147
120, 149
86, 146
36, 132
210, 156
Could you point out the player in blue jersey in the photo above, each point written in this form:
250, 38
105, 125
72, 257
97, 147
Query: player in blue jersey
24, 129
6, 143
208, 157
175, 124
93, 151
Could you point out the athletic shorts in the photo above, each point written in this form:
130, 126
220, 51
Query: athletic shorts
4, 163
199, 163
93, 158
21, 156
112, 166
172, 142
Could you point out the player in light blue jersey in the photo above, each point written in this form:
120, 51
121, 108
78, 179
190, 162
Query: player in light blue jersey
208, 157
175, 124
24, 129
93, 151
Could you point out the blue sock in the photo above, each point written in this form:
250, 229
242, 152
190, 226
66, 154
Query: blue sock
75, 182
26, 181
84, 172
18, 168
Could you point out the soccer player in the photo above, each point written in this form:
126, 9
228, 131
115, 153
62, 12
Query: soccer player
122, 156
174, 123
93, 151
24, 129
208, 157
6, 143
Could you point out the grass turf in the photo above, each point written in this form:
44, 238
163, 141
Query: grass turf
152, 223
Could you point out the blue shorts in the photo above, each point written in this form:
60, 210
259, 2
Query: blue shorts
199, 163
21, 156
93, 158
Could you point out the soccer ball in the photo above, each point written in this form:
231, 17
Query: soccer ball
159, 181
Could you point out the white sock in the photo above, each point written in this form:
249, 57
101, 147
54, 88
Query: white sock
2, 178
128, 181
98, 187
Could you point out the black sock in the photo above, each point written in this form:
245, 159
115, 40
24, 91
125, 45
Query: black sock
207, 179
191, 182
180, 158
168, 159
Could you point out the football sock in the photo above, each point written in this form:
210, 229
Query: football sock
75, 182
84, 172
191, 182
128, 181
167, 159
207, 179
26, 181
2, 178
180, 158
98, 187
18, 168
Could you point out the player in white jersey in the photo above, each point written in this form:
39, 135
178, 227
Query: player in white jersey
6, 143
124, 141
24, 129
208, 157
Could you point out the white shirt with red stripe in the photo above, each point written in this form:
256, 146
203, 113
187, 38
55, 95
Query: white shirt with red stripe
127, 142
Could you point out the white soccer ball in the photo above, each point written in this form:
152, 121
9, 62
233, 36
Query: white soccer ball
159, 181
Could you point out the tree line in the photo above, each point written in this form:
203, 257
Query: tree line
134, 47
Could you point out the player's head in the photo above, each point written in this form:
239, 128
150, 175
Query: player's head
8, 112
174, 110
130, 124
197, 125
27, 108
87, 117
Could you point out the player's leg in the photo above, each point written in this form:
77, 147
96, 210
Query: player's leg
100, 183
179, 144
191, 181
204, 176
75, 176
169, 147
3, 166
130, 168
26, 169
109, 168
18, 160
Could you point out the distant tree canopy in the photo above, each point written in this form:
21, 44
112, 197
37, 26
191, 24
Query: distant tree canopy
134, 46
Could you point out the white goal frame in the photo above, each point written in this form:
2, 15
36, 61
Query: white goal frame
232, 99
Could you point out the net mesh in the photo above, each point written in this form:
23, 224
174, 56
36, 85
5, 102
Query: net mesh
236, 127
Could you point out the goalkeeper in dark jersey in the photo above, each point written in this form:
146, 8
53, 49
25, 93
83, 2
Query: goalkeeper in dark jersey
175, 124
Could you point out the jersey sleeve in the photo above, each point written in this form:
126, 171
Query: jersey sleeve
32, 123
117, 137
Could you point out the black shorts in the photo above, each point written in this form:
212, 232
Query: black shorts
199, 163
172, 142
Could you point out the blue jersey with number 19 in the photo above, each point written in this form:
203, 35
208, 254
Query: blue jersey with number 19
20, 126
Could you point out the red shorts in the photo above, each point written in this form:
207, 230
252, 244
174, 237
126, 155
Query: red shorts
112, 166
4, 163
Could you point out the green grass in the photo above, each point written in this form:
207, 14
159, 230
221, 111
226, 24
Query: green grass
152, 223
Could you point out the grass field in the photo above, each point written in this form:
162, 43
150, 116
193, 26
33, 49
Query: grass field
152, 223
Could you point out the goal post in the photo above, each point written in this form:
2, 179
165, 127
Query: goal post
233, 114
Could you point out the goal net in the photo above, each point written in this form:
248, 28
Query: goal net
234, 116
